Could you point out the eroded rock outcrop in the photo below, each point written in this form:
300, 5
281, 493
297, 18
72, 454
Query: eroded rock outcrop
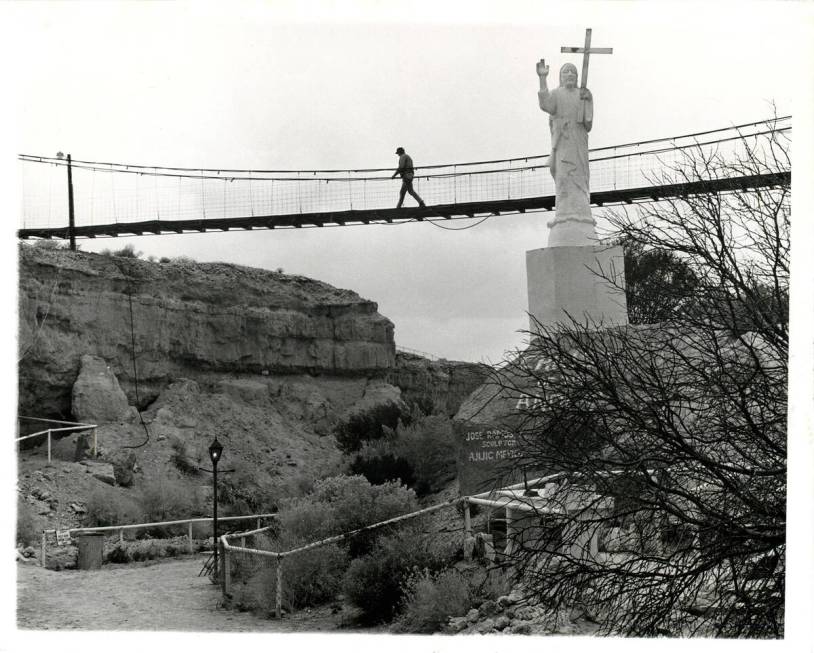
443, 383
187, 318
97, 396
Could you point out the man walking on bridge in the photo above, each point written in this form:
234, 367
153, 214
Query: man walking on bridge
405, 169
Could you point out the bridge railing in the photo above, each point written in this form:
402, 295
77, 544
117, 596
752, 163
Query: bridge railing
107, 193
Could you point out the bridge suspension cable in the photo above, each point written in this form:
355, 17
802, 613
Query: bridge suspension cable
107, 193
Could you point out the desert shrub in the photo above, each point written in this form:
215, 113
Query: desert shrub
366, 426
377, 582
181, 458
490, 583
118, 554
27, 533
378, 465
313, 577
138, 550
104, 508
340, 504
310, 578
243, 495
422, 454
431, 599
166, 500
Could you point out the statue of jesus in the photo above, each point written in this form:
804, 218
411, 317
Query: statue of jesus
571, 112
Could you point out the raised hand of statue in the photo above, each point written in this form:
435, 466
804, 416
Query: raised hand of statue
542, 69
585, 94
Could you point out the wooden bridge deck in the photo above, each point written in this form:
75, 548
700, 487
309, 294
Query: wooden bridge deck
447, 211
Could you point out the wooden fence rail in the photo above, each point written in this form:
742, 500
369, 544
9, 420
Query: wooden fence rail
228, 549
72, 532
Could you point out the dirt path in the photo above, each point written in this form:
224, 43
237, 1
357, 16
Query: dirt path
149, 596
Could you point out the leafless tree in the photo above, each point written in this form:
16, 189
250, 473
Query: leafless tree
670, 438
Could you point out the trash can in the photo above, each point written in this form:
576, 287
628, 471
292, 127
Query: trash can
91, 546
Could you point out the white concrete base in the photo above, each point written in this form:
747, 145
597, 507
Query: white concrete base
565, 281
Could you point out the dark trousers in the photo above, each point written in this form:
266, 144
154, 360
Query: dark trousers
407, 187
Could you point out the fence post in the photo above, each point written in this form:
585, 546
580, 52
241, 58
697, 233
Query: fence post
49, 445
42, 550
469, 543
509, 532
227, 572
278, 603
258, 522
94, 444
189, 533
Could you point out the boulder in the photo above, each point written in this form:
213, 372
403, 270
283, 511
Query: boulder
102, 471
97, 397
124, 466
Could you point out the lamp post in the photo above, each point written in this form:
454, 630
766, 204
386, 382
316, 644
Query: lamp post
215, 451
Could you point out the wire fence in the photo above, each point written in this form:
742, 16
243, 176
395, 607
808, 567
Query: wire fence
114, 193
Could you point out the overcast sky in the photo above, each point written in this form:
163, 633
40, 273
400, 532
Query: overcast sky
265, 86
340, 85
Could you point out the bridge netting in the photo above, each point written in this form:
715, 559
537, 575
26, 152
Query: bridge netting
116, 193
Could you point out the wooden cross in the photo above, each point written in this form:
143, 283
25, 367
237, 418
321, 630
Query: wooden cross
587, 51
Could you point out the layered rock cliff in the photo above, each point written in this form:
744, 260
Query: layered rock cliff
443, 384
182, 319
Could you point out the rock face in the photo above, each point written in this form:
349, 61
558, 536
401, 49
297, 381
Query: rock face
97, 396
187, 318
444, 383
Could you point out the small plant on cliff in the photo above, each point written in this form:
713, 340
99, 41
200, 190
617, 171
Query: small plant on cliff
181, 458
128, 251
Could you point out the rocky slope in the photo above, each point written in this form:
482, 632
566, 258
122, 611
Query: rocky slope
267, 362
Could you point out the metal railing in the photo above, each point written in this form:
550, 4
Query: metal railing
74, 426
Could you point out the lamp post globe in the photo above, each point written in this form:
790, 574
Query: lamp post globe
215, 450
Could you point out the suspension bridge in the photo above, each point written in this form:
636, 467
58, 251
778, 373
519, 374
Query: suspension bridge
115, 199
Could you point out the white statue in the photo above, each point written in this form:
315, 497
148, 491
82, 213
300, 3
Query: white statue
571, 112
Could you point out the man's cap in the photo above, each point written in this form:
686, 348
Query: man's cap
399, 150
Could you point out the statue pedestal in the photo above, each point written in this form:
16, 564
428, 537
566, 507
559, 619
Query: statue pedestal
565, 281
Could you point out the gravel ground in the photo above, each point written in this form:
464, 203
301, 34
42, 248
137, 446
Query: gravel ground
156, 596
